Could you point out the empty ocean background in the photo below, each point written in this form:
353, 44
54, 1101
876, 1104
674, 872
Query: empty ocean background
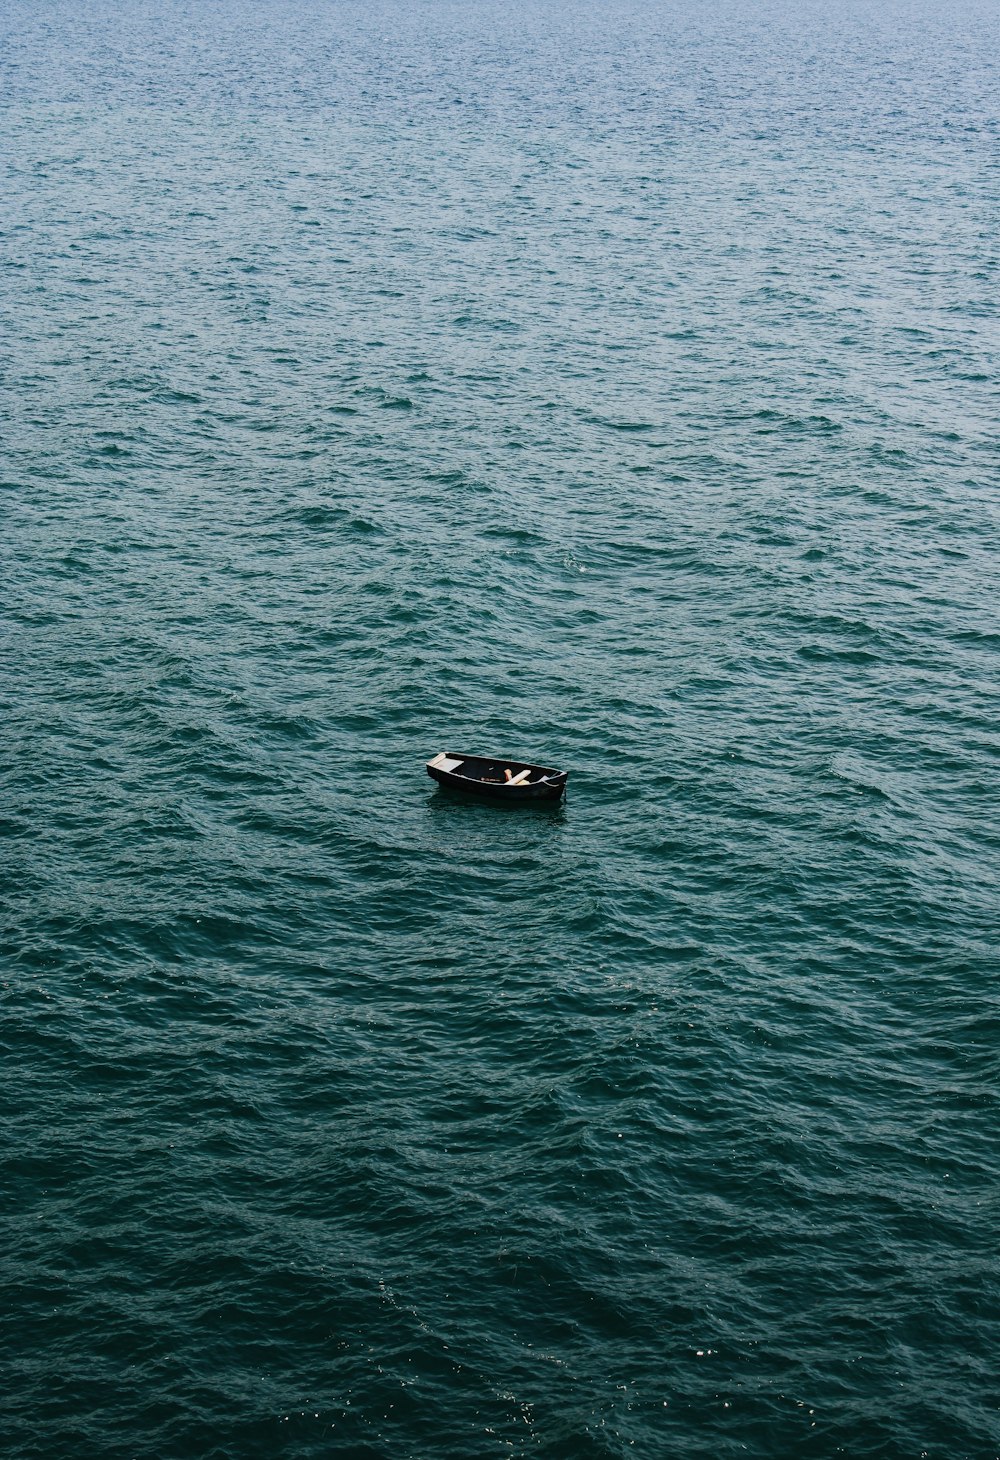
609, 384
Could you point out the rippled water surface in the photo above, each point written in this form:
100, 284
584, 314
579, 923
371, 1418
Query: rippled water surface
608, 384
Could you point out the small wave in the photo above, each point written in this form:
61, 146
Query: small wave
825, 653
521, 535
625, 427
172, 395
850, 768
318, 515
385, 399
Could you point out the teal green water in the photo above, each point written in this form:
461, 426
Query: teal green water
613, 386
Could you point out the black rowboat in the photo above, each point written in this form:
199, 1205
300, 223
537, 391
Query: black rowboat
505, 780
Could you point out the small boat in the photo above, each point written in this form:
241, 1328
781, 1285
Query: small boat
505, 780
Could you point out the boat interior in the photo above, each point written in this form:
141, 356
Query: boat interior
475, 768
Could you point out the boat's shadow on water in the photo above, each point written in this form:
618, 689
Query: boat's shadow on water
445, 801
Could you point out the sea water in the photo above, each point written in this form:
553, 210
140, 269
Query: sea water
612, 385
